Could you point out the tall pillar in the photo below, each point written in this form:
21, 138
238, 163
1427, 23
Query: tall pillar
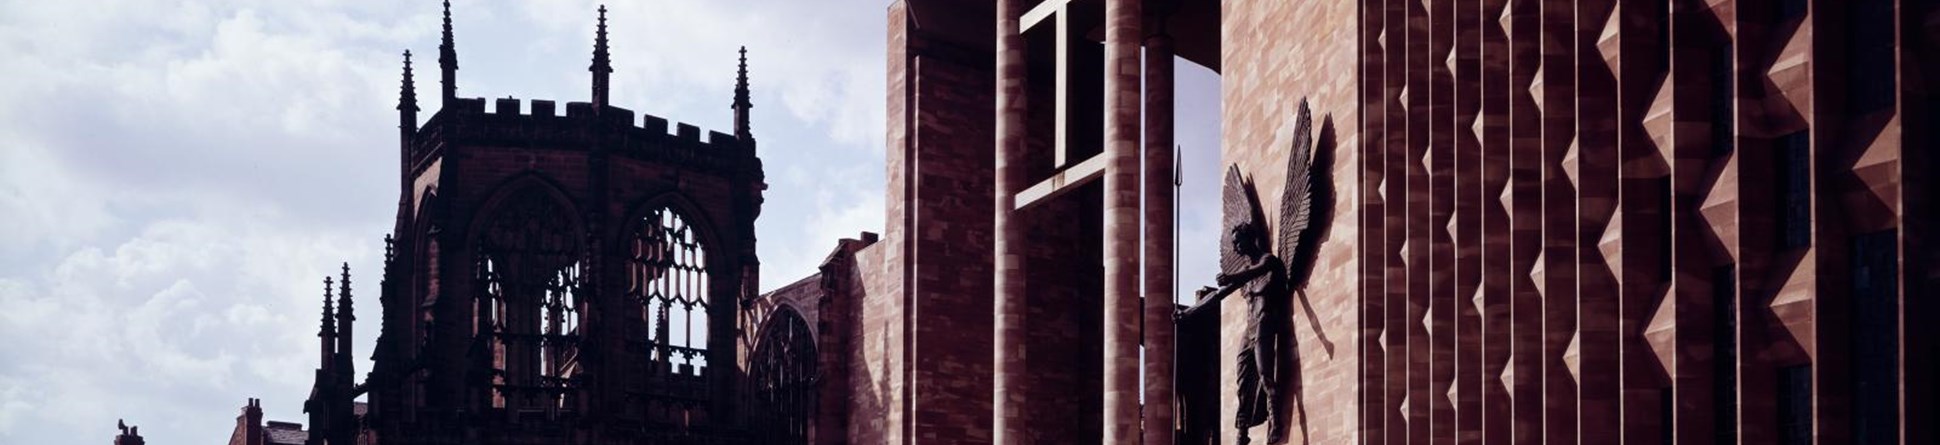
1007, 388
1159, 246
1121, 317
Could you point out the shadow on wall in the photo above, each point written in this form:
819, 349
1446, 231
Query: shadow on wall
1323, 224
856, 396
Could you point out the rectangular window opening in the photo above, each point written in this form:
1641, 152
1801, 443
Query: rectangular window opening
1795, 405
1869, 47
1667, 417
1794, 180
1724, 366
1875, 337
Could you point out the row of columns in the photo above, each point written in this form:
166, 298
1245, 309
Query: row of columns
1129, 321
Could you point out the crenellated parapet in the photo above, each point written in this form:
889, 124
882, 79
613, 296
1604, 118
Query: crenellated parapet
538, 124
585, 126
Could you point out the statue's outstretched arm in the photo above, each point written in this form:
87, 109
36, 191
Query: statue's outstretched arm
1207, 299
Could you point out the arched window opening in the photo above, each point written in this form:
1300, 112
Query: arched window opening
529, 308
668, 275
783, 377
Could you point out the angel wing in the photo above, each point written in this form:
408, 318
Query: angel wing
1236, 206
1296, 199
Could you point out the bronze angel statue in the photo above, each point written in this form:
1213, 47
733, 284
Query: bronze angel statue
1249, 264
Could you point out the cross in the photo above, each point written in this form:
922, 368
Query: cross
1059, 11
1069, 174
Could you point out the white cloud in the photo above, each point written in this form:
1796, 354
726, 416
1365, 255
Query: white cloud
161, 326
177, 175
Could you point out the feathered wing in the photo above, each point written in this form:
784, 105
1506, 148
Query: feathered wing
1236, 208
1296, 199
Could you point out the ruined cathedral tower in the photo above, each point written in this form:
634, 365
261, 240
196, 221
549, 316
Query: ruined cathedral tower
552, 277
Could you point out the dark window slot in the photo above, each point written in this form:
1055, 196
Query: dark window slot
1794, 180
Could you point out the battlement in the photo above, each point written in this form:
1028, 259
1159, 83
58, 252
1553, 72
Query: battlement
584, 111
538, 123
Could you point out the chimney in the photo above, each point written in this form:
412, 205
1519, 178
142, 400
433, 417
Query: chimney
130, 435
250, 423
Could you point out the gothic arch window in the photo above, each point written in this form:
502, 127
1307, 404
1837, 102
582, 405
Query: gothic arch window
668, 276
783, 377
527, 267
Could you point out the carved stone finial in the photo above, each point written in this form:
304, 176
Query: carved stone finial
602, 63
741, 102
327, 328
741, 81
448, 60
407, 92
601, 57
344, 312
446, 45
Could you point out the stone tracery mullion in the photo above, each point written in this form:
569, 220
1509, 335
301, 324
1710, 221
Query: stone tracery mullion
529, 302
670, 272
784, 374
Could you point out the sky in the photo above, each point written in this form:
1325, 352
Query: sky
177, 177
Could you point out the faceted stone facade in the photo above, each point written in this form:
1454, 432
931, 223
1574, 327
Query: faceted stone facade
1544, 221
1646, 221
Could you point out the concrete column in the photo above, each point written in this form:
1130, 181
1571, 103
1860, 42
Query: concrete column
1007, 389
1159, 247
1121, 302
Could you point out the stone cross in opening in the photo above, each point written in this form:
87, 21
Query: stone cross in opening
1059, 12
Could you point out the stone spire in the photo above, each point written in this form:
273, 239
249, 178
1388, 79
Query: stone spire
346, 316
741, 104
328, 330
448, 60
602, 65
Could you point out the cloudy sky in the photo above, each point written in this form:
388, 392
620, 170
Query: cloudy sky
177, 176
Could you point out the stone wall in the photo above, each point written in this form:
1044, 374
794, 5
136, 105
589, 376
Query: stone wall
1274, 54
925, 315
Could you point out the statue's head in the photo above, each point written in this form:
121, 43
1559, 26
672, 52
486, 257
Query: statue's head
1246, 240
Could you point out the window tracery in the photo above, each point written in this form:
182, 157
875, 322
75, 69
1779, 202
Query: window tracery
782, 377
668, 276
528, 312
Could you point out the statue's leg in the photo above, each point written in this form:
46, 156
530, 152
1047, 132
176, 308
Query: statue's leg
1270, 378
1246, 414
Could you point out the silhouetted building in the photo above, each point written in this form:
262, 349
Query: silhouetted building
551, 278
